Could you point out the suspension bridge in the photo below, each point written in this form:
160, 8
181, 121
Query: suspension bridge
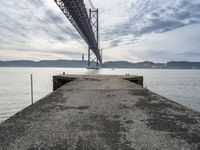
86, 22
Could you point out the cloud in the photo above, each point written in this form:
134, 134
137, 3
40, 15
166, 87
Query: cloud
161, 47
35, 25
155, 16
125, 25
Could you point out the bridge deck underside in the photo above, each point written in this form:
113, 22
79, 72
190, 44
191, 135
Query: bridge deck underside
76, 13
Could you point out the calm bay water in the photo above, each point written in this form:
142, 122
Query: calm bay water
182, 86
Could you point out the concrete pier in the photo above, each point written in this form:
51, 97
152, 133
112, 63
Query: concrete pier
103, 113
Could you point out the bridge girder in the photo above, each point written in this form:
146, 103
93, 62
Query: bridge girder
76, 13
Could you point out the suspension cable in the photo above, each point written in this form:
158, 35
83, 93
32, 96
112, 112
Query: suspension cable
92, 5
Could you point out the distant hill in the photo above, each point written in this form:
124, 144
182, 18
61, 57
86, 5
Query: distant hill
109, 64
183, 65
125, 64
45, 63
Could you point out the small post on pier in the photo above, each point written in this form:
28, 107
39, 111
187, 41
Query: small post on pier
31, 89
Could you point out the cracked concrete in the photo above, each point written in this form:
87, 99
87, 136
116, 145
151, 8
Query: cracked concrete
102, 112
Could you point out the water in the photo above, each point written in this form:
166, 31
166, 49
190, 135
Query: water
182, 86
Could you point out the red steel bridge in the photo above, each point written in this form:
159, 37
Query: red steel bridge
86, 23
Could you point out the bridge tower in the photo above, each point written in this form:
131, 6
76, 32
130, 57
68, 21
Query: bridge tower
94, 20
87, 25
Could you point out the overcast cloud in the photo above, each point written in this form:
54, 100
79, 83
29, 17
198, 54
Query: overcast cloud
132, 30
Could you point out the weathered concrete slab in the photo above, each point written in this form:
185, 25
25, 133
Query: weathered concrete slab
102, 112
60, 80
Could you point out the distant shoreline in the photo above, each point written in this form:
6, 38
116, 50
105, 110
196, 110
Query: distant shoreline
108, 64
102, 68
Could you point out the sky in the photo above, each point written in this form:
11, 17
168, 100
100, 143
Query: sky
131, 30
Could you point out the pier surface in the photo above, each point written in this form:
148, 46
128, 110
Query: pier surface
102, 113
